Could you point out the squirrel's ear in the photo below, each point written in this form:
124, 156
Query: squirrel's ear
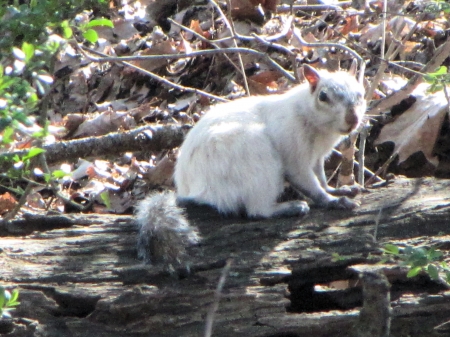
353, 68
312, 76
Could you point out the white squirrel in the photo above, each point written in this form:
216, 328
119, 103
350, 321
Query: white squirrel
238, 156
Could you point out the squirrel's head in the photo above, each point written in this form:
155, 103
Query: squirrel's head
339, 101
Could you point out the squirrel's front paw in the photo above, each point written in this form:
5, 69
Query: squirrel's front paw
347, 190
343, 203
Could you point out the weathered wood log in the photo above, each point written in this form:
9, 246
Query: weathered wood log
150, 138
82, 278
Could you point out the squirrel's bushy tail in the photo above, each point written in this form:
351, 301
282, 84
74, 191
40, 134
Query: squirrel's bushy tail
164, 231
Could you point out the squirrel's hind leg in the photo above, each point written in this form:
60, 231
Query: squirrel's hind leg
290, 208
260, 200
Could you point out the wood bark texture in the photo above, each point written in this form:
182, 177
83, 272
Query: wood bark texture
79, 276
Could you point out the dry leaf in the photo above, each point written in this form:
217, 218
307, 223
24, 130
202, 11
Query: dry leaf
418, 127
351, 25
264, 82
104, 123
7, 203
162, 173
161, 45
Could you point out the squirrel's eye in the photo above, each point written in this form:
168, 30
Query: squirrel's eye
323, 97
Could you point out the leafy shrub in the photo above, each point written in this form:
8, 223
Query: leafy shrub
26, 51
419, 260
8, 300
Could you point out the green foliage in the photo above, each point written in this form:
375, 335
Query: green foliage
105, 198
335, 257
27, 51
20, 165
438, 79
90, 34
28, 22
419, 260
8, 300
33, 152
23, 78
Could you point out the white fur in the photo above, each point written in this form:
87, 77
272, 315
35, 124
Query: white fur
239, 154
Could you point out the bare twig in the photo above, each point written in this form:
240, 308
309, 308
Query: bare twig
390, 54
230, 26
204, 39
383, 29
152, 75
381, 169
404, 64
358, 165
22, 200
217, 295
362, 146
265, 41
308, 8
56, 190
447, 97
300, 39
106, 58
271, 44
377, 224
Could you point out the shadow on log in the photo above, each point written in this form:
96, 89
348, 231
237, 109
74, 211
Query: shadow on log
78, 276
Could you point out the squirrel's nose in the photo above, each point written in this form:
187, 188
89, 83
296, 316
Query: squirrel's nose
351, 118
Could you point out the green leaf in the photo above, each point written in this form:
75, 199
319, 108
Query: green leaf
67, 32
434, 254
7, 135
14, 297
33, 152
65, 24
40, 134
391, 249
91, 35
105, 198
435, 86
408, 250
418, 257
28, 50
447, 276
414, 272
418, 262
100, 22
58, 174
433, 77
433, 272
47, 177
442, 70
2, 297
336, 257
33, 98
